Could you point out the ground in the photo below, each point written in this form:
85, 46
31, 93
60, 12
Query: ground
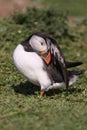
9, 6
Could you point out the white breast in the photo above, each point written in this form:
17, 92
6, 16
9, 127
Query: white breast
31, 66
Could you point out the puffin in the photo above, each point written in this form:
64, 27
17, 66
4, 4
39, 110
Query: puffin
40, 59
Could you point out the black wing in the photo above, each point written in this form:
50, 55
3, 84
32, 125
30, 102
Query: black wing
58, 59
72, 64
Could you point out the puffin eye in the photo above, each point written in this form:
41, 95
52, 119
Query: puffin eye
42, 43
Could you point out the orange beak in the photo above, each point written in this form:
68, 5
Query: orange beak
46, 58
43, 52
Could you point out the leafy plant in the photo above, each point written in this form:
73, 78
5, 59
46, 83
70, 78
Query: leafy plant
52, 21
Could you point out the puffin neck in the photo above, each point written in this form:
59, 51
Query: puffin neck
27, 47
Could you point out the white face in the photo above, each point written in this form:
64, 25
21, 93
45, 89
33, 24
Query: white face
38, 43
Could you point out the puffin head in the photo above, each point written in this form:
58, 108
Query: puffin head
38, 43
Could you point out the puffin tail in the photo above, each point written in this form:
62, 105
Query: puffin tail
73, 75
73, 64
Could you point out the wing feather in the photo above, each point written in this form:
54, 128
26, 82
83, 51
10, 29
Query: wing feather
72, 64
58, 60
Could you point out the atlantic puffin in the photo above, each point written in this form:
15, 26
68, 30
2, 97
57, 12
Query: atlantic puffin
40, 59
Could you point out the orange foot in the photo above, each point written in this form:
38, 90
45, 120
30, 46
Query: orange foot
41, 94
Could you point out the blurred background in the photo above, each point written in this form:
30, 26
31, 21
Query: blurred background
75, 7
9, 6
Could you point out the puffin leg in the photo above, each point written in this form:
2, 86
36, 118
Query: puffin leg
41, 93
54, 92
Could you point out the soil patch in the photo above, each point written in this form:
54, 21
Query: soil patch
9, 6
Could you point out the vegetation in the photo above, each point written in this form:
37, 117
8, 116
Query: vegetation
20, 106
75, 7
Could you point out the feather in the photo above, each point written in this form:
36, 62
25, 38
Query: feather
58, 59
72, 64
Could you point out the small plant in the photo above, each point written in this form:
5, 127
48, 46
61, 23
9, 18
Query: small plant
53, 21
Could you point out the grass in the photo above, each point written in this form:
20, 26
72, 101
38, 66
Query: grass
75, 7
20, 106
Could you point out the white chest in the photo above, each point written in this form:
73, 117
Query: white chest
30, 65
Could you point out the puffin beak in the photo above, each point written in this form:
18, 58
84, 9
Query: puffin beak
43, 52
46, 55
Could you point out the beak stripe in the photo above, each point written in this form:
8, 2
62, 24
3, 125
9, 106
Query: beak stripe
47, 59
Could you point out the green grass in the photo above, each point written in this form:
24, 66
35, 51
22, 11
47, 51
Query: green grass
20, 106
74, 7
